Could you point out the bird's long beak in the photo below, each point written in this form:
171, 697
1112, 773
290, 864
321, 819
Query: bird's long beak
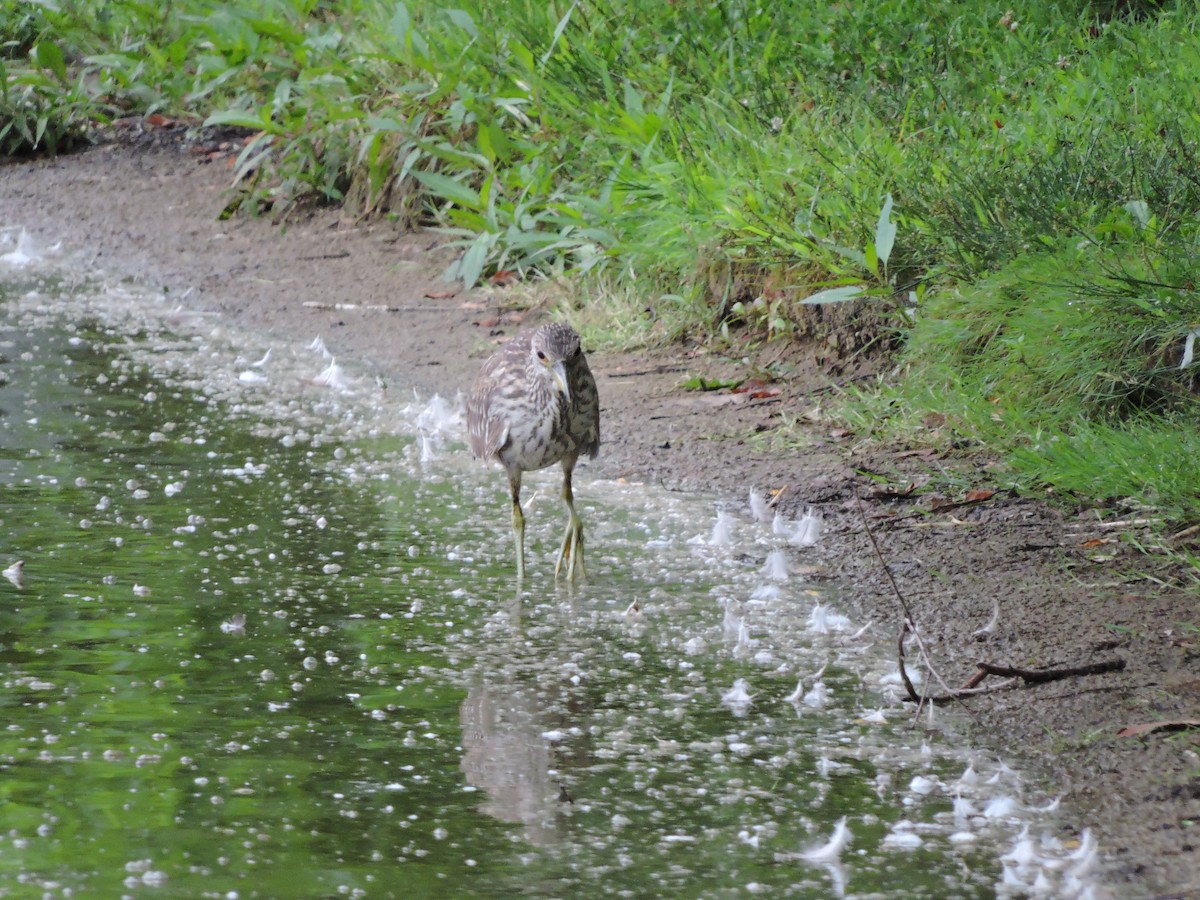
560, 379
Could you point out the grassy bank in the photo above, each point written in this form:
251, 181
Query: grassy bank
1016, 191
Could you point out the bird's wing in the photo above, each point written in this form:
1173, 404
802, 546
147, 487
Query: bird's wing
593, 448
585, 389
486, 432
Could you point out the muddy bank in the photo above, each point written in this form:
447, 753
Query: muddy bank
1054, 581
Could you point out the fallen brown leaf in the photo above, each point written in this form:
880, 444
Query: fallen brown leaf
503, 278
440, 295
978, 494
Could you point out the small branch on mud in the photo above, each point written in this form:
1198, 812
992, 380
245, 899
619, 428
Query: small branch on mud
1186, 533
908, 685
910, 624
1041, 676
774, 501
1014, 674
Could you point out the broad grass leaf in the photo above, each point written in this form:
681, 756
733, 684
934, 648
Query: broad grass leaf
463, 20
558, 32
50, 56
449, 189
885, 232
242, 118
470, 267
834, 295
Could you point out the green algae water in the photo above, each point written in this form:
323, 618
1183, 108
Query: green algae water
260, 637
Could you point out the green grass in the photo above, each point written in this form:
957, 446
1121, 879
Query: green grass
1068, 365
1015, 194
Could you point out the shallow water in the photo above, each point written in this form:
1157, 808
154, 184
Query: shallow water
267, 643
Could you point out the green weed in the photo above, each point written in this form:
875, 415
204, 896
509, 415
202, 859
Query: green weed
1009, 197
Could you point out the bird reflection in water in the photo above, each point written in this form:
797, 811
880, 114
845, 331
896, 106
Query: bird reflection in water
521, 746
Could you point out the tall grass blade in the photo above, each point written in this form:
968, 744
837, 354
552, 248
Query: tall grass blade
885, 233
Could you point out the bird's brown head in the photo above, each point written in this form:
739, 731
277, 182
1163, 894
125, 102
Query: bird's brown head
554, 347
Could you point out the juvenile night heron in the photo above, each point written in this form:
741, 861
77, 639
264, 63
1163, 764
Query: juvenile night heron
534, 404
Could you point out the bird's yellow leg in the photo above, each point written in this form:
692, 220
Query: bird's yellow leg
571, 552
518, 523
518, 519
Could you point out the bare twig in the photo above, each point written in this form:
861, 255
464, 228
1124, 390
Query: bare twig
882, 562
982, 669
910, 625
908, 685
989, 689
774, 501
1041, 676
1014, 674
975, 680
1117, 523
1187, 532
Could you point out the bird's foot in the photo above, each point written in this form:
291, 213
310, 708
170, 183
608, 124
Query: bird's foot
570, 555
